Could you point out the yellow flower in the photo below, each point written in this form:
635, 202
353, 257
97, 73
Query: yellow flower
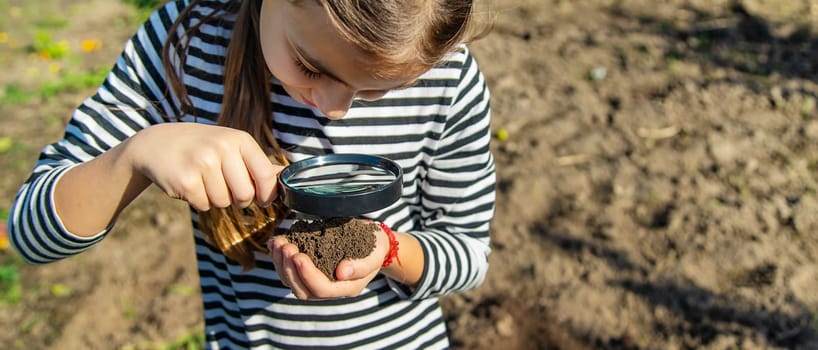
4, 37
4, 235
89, 45
501, 134
5, 145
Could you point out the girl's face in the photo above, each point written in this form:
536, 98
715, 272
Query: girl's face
313, 62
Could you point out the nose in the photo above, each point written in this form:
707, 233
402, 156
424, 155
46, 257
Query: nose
333, 99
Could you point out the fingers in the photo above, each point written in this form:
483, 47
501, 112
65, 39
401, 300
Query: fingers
248, 174
190, 189
298, 272
353, 269
284, 255
261, 170
322, 288
274, 246
232, 171
291, 273
214, 183
237, 179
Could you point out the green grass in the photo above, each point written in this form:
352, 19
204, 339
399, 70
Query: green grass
144, 4
74, 81
808, 107
144, 7
44, 45
29, 324
182, 289
51, 23
14, 94
11, 289
69, 81
3, 7
189, 341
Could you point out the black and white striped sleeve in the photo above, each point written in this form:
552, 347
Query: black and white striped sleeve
458, 193
130, 99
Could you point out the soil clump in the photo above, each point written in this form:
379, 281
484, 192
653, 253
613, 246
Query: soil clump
328, 241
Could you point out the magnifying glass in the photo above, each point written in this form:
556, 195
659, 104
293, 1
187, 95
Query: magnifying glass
341, 185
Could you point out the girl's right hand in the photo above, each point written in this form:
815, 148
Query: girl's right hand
207, 166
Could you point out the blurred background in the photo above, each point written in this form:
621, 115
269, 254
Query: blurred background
656, 164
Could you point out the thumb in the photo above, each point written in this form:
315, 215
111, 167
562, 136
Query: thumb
353, 269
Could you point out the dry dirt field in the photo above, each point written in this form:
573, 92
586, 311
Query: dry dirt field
657, 186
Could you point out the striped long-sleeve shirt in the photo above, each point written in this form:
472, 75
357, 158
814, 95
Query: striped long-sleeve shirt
437, 131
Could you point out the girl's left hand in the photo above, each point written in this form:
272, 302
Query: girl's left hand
297, 271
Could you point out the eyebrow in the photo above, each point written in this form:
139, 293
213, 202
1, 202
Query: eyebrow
316, 65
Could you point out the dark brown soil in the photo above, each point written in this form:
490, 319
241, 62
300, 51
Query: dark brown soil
329, 241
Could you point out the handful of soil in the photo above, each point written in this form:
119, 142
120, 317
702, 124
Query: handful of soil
328, 241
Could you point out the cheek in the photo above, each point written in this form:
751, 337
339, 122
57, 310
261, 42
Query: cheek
280, 63
285, 70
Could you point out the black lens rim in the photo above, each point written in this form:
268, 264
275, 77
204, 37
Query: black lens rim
340, 205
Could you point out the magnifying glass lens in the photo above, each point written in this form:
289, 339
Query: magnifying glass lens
338, 185
341, 179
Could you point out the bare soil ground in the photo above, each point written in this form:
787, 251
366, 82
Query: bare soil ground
657, 189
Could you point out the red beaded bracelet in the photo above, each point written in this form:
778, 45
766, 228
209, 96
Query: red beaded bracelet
393, 247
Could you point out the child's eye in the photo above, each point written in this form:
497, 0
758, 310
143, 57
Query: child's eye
309, 73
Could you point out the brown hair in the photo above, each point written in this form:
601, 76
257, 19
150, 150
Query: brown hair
381, 28
403, 35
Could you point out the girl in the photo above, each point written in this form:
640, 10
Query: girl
210, 98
